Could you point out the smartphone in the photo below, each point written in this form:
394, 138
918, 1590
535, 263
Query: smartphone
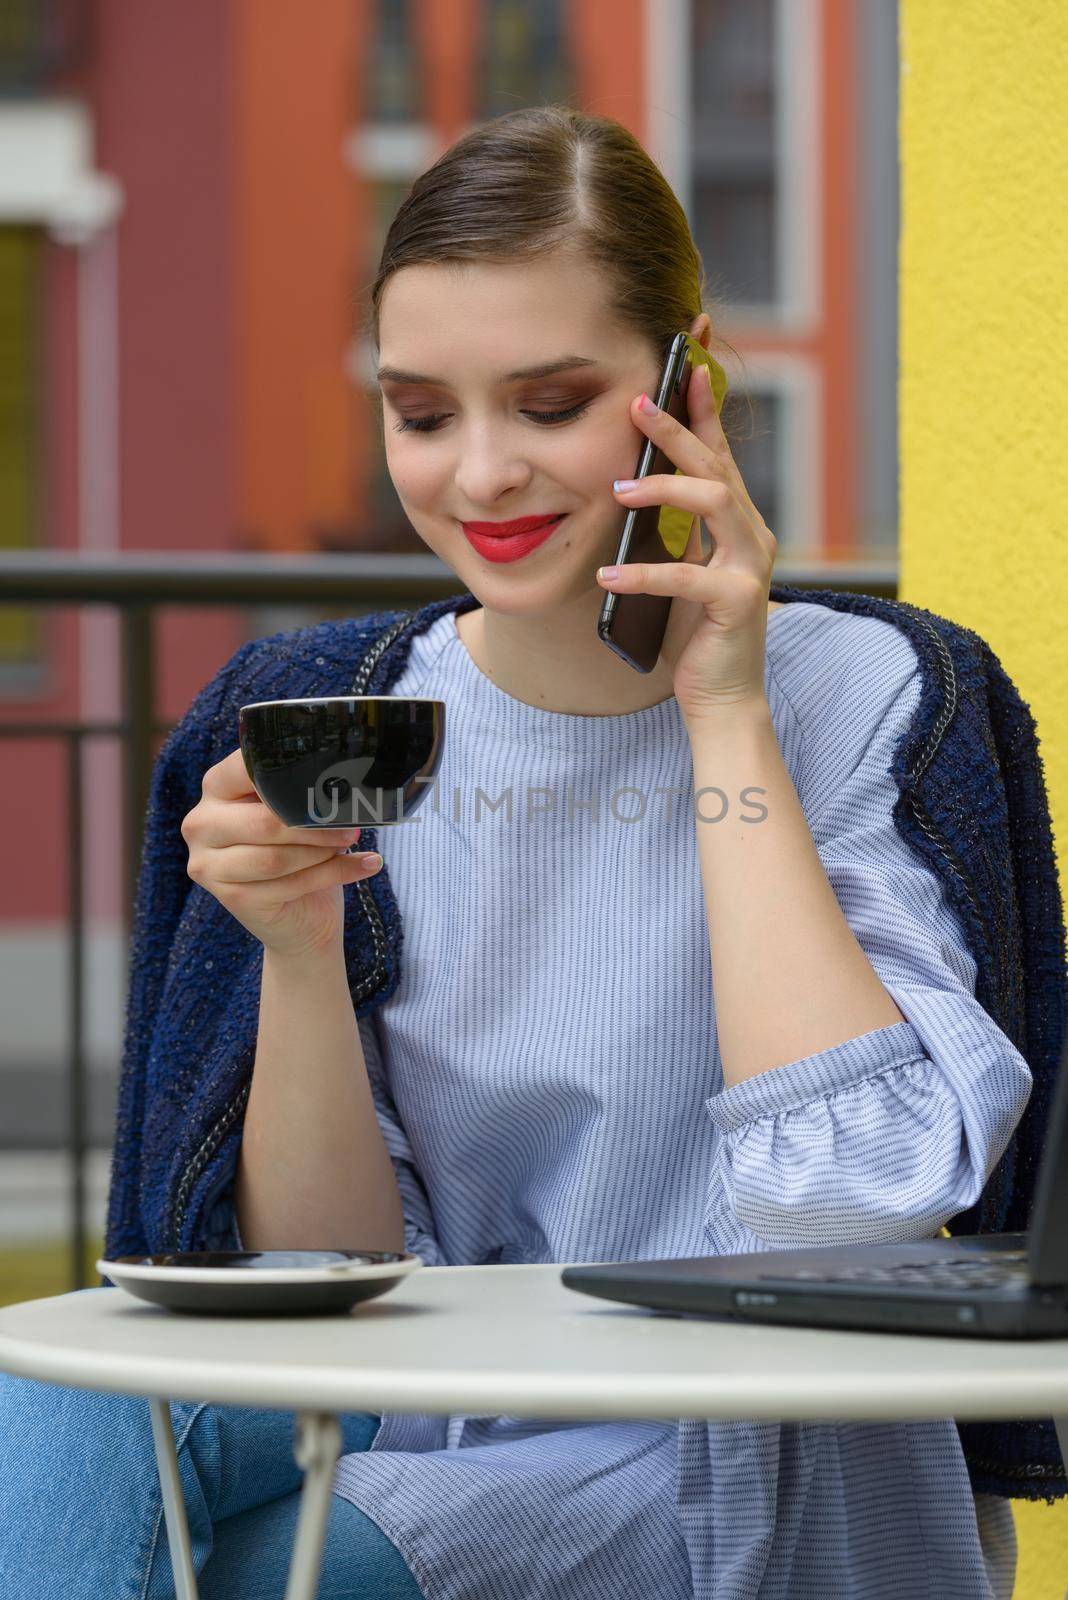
633, 625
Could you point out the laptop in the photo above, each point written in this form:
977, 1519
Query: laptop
994, 1285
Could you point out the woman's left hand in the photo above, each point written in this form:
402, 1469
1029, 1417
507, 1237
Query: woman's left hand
721, 661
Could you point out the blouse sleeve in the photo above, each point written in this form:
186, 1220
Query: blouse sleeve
887, 1136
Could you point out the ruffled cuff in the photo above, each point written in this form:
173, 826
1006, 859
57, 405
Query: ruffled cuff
859, 1144
811, 1077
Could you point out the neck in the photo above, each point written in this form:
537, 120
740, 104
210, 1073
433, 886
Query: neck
557, 662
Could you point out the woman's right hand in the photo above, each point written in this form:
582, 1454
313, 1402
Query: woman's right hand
283, 884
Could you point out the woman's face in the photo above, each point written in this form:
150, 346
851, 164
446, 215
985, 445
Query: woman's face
465, 442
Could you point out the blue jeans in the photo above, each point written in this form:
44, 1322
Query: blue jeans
81, 1513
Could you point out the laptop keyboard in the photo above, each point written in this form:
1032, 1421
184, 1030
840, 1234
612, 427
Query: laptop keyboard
1007, 1270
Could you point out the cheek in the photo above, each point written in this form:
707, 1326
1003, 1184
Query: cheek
417, 474
614, 455
593, 458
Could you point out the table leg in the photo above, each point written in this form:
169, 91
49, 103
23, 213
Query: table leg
185, 1583
317, 1448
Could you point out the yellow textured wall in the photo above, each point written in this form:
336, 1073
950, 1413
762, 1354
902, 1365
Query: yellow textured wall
983, 403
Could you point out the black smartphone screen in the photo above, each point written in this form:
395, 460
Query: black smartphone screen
633, 625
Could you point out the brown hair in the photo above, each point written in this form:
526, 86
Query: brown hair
550, 178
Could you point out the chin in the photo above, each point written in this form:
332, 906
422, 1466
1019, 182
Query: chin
513, 596
548, 601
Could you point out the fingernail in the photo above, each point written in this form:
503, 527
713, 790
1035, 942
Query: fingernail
650, 408
622, 485
373, 861
609, 572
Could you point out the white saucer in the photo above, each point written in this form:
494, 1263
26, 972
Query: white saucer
260, 1282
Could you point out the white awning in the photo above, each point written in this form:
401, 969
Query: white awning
46, 170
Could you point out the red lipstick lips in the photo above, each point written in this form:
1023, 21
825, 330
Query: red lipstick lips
508, 541
501, 530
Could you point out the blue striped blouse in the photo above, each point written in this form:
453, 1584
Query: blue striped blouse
543, 1101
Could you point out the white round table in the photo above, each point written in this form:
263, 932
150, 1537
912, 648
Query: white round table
505, 1340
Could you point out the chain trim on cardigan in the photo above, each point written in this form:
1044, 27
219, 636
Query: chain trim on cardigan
200, 1159
219, 1129
375, 654
1033, 1474
948, 674
994, 1202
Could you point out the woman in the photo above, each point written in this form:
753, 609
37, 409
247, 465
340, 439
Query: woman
672, 984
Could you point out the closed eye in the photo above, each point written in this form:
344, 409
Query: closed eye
543, 418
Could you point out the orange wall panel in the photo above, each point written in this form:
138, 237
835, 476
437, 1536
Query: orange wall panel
294, 248
607, 39
445, 31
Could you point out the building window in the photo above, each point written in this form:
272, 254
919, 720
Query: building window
733, 176
393, 88
754, 451
778, 455
523, 57
40, 39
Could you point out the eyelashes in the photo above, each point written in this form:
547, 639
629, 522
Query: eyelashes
543, 418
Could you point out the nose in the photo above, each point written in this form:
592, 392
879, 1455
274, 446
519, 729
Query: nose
488, 468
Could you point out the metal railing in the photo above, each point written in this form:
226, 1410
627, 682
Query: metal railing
138, 585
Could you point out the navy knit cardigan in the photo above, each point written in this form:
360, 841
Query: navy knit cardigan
972, 802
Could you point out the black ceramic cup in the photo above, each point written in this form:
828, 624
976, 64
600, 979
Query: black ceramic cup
359, 761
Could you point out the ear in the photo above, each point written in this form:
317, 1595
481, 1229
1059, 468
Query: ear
701, 330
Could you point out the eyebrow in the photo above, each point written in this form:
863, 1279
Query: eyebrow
544, 370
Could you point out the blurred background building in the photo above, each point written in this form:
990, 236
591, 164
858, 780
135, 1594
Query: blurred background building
192, 203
